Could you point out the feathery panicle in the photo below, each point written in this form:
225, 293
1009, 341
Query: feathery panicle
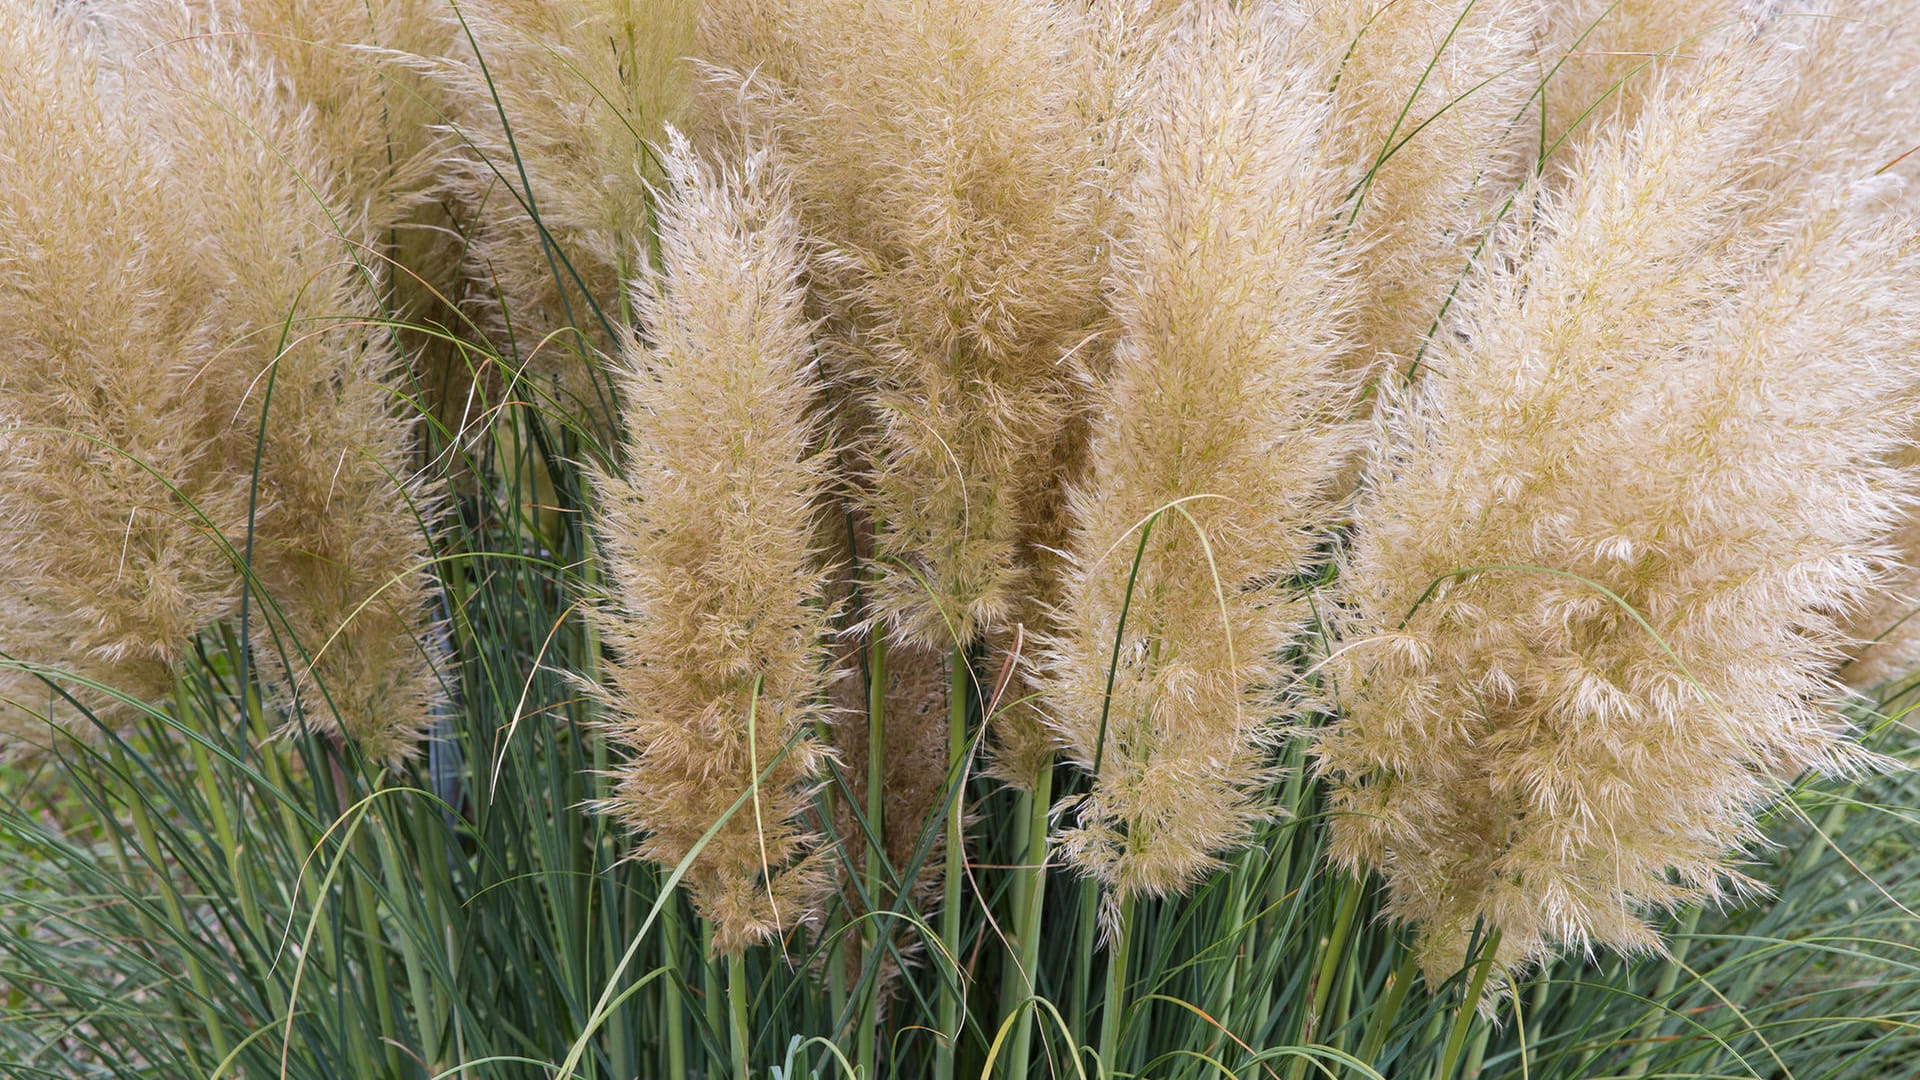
1220, 426
338, 544
368, 113
560, 105
1427, 112
1590, 612
945, 161
185, 178
1852, 116
116, 444
1604, 59
718, 617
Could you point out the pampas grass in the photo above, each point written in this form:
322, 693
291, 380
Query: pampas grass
1592, 603
1213, 455
232, 249
717, 617
117, 490
1131, 538
959, 259
554, 104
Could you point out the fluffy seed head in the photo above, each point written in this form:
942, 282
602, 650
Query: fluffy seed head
559, 102
201, 201
115, 451
1604, 59
1590, 611
1428, 119
945, 161
1220, 427
717, 614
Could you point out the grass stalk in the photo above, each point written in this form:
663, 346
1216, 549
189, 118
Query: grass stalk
1113, 1016
1650, 1032
1333, 949
1469, 1008
1020, 982
672, 1001
952, 991
872, 936
714, 1000
1388, 1011
1085, 939
738, 992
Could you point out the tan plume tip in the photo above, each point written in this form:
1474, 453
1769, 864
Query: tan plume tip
716, 615
1604, 60
1220, 429
1429, 122
115, 492
556, 103
339, 545
959, 262
1589, 616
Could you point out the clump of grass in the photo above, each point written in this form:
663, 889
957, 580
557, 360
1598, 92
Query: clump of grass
1567, 665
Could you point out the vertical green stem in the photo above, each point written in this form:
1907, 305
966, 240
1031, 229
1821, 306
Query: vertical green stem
1651, 1031
1019, 985
1085, 932
1332, 951
713, 1003
951, 991
1389, 1009
737, 992
869, 1019
1469, 1005
1114, 1013
672, 1007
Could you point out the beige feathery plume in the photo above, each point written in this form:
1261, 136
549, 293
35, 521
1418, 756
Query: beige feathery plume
352, 67
1852, 116
201, 196
339, 545
1221, 427
1603, 60
1590, 611
1428, 115
115, 487
717, 616
945, 162
560, 101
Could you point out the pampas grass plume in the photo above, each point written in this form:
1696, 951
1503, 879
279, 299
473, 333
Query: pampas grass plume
944, 161
233, 276
1220, 424
717, 617
339, 546
1590, 609
105, 310
1428, 116
558, 102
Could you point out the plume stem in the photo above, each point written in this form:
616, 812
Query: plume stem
1030, 898
1469, 1005
672, 1008
737, 991
1350, 892
951, 993
876, 832
1114, 1012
